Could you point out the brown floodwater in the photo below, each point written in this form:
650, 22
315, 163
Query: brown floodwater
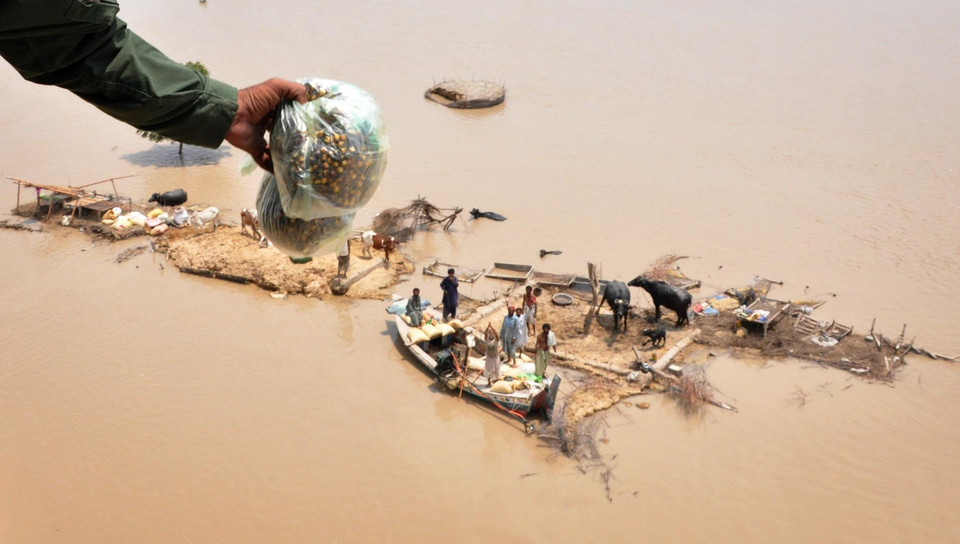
815, 144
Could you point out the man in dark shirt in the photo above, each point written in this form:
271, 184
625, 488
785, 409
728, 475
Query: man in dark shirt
451, 295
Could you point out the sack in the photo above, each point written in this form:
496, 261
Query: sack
329, 153
298, 237
431, 331
416, 336
502, 386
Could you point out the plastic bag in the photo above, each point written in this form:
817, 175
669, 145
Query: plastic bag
330, 153
298, 237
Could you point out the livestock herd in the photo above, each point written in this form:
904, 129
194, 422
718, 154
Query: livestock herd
616, 294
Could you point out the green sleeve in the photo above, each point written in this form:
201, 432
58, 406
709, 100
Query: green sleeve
81, 46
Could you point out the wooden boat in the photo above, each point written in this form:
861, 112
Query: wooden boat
508, 271
456, 358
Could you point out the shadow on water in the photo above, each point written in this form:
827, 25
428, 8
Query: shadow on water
168, 156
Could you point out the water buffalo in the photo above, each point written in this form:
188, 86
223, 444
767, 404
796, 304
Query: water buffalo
617, 295
658, 335
664, 294
477, 214
175, 197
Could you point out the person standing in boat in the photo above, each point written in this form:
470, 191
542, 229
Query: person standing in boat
491, 367
522, 336
451, 295
415, 308
530, 310
545, 340
508, 335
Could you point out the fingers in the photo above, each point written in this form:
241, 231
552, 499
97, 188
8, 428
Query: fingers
255, 112
289, 90
265, 161
260, 152
275, 90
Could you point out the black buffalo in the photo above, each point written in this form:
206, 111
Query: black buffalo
477, 214
658, 336
617, 295
175, 197
664, 294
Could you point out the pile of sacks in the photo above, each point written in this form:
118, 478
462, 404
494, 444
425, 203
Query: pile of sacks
431, 329
155, 222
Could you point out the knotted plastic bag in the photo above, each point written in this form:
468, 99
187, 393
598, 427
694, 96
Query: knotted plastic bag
298, 238
329, 153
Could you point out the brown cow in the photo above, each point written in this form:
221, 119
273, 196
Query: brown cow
378, 241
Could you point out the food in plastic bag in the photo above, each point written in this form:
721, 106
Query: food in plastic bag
298, 237
330, 153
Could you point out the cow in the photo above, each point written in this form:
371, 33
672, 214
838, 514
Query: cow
248, 218
205, 217
477, 214
169, 198
664, 294
617, 295
377, 241
657, 336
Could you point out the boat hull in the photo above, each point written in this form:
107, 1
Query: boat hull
519, 403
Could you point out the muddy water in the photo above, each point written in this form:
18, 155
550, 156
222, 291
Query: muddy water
810, 144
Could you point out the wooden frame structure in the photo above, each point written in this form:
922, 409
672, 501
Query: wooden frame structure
810, 325
79, 197
776, 308
509, 271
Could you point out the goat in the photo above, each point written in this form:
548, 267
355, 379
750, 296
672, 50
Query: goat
201, 218
248, 218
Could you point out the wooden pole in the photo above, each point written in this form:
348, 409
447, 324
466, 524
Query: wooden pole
104, 181
340, 287
593, 274
463, 372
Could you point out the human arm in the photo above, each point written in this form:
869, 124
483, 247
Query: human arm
81, 46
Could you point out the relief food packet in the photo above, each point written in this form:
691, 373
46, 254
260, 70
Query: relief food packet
329, 153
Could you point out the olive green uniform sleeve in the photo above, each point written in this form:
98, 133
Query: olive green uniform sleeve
81, 46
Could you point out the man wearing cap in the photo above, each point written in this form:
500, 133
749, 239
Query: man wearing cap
508, 335
414, 308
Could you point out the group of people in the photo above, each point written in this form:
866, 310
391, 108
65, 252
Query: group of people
519, 323
451, 297
515, 330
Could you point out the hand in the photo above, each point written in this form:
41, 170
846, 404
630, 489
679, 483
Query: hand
256, 106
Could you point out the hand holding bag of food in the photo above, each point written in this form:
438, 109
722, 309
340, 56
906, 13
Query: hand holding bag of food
328, 155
